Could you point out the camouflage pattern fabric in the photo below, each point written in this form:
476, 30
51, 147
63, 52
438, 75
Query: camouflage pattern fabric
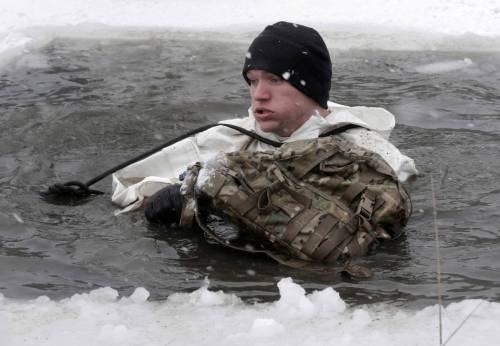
323, 200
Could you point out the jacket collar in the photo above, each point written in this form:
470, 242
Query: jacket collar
372, 118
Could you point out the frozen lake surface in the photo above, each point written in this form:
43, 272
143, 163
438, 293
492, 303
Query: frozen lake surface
84, 86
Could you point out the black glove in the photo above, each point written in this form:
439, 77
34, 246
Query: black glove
165, 206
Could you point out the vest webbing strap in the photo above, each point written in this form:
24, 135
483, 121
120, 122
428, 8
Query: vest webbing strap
352, 192
334, 255
337, 236
326, 224
298, 223
243, 204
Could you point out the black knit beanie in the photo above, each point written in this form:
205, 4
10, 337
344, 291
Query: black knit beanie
295, 53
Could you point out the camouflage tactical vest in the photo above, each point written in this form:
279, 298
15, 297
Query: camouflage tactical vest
320, 200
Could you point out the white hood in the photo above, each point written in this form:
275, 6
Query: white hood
373, 118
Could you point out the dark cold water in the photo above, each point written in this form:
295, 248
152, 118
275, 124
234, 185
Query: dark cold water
77, 107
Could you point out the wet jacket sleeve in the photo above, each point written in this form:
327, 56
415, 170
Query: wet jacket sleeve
142, 179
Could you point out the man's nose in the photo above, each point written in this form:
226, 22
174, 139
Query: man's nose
261, 92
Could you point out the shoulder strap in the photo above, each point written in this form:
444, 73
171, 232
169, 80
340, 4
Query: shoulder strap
340, 129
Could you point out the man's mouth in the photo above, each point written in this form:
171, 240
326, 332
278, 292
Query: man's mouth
262, 112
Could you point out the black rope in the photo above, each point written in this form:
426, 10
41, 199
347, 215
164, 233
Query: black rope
76, 189
173, 141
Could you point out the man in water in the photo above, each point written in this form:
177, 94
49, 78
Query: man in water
288, 70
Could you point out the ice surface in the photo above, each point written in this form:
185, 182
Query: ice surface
445, 66
101, 317
389, 24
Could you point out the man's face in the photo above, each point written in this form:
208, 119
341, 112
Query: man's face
277, 106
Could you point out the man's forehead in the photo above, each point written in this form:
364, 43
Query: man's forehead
260, 73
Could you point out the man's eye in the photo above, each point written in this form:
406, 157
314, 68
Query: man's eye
276, 80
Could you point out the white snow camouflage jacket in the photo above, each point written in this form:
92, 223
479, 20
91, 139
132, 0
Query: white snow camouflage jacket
142, 179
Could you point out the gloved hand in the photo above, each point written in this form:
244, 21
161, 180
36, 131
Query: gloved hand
165, 206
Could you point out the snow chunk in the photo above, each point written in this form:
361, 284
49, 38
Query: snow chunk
286, 75
140, 295
248, 55
202, 297
293, 302
102, 295
42, 300
328, 301
303, 82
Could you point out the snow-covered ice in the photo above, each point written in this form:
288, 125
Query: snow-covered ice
101, 317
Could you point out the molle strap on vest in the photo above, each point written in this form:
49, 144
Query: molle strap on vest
327, 238
297, 224
352, 192
326, 224
319, 201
